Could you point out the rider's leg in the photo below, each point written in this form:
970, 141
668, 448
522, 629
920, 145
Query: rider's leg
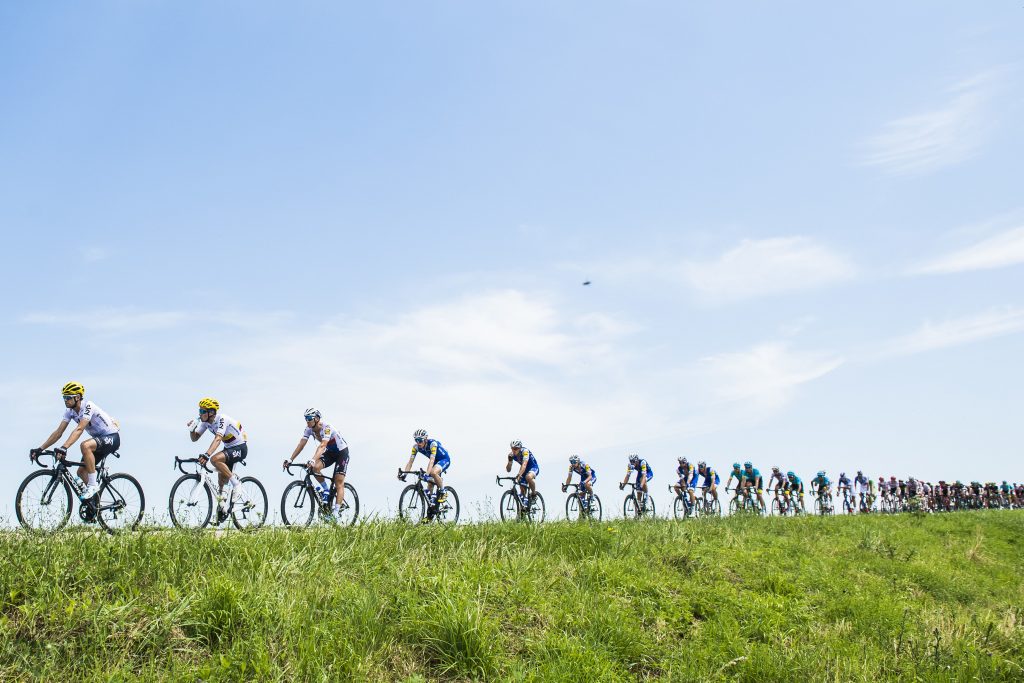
531, 481
220, 463
87, 470
339, 487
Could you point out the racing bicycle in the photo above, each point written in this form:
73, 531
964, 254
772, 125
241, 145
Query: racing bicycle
44, 499
517, 503
581, 504
417, 504
303, 501
191, 502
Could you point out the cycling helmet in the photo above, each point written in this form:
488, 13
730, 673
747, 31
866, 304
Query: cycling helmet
842, 474
72, 389
419, 434
682, 459
209, 404
735, 465
859, 473
821, 473
775, 468
312, 414
574, 460
634, 458
791, 475
516, 444
748, 465
701, 465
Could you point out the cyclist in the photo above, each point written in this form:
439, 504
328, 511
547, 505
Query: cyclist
687, 479
737, 474
710, 479
332, 449
752, 479
103, 430
227, 432
843, 485
796, 490
644, 473
438, 461
821, 486
864, 485
588, 477
777, 482
528, 467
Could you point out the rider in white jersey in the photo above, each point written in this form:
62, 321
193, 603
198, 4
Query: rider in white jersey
226, 431
90, 418
332, 450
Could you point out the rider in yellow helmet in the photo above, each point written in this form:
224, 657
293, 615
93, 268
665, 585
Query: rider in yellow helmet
227, 432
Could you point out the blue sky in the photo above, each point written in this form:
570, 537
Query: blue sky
803, 224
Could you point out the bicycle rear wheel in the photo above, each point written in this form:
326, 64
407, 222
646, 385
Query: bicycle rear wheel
537, 510
349, 512
249, 510
298, 504
121, 503
509, 506
43, 502
448, 511
648, 508
412, 504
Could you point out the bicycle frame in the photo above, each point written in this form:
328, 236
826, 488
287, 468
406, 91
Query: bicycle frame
61, 466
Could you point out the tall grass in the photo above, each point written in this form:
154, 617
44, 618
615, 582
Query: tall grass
850, 599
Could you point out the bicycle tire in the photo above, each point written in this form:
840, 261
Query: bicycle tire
412, 504
509, 507
649, 509
630, 510
298, 504
191, 508
121, 503
679, 508
536, 504
448, 511
54, 495
349, 515
249, 510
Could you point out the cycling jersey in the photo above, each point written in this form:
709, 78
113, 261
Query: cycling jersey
229, 430
777, 476
531, 461
687, 474
796, 485
710, 476
642, 469
97, 422
860, 480
432, 449
821, 482
335, 441
844, 481
753, 475
585, 471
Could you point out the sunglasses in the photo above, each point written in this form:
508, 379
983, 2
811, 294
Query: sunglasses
309, 418
419, 440
72, 397
204, 411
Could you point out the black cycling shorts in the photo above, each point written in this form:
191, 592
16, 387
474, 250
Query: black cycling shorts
105, 445
235, 454
332, 456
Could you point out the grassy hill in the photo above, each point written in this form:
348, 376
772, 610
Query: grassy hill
846, 599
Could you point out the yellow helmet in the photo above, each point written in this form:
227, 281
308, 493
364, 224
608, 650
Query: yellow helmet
209, 404
73, 389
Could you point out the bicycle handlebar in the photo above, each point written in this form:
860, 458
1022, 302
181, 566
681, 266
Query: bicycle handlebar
289, 467
498, 480
179, 463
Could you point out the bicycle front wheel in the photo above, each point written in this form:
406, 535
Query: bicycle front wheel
412, 504
509, 506
679, 508
121, 503
190, 503
298, 504
249, 510
448, 511
630, 510
43, 502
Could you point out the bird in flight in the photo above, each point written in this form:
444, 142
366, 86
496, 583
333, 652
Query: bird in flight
587, 283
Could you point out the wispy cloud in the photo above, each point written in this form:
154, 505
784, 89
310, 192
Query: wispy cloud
757, 268
958, 331
998, 251
947, 134
766, 375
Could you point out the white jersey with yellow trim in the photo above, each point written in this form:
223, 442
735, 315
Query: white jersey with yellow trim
97, 422
328, 433
229, 430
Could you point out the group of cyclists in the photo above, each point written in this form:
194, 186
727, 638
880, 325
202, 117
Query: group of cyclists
229, 447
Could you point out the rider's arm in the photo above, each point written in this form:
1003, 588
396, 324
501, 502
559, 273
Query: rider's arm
508, 466
75, 433
298, 449
522, 468
197, 429
217, 439
568, 477
57, 433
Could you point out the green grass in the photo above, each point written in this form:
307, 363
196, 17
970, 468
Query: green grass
843, 599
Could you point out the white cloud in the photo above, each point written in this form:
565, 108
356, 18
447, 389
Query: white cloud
998, 251
948, 134
958, 331
766, 375
769, 266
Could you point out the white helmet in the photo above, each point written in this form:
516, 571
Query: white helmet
574, 460
420, 434
633, 457
312, 414
516, 444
